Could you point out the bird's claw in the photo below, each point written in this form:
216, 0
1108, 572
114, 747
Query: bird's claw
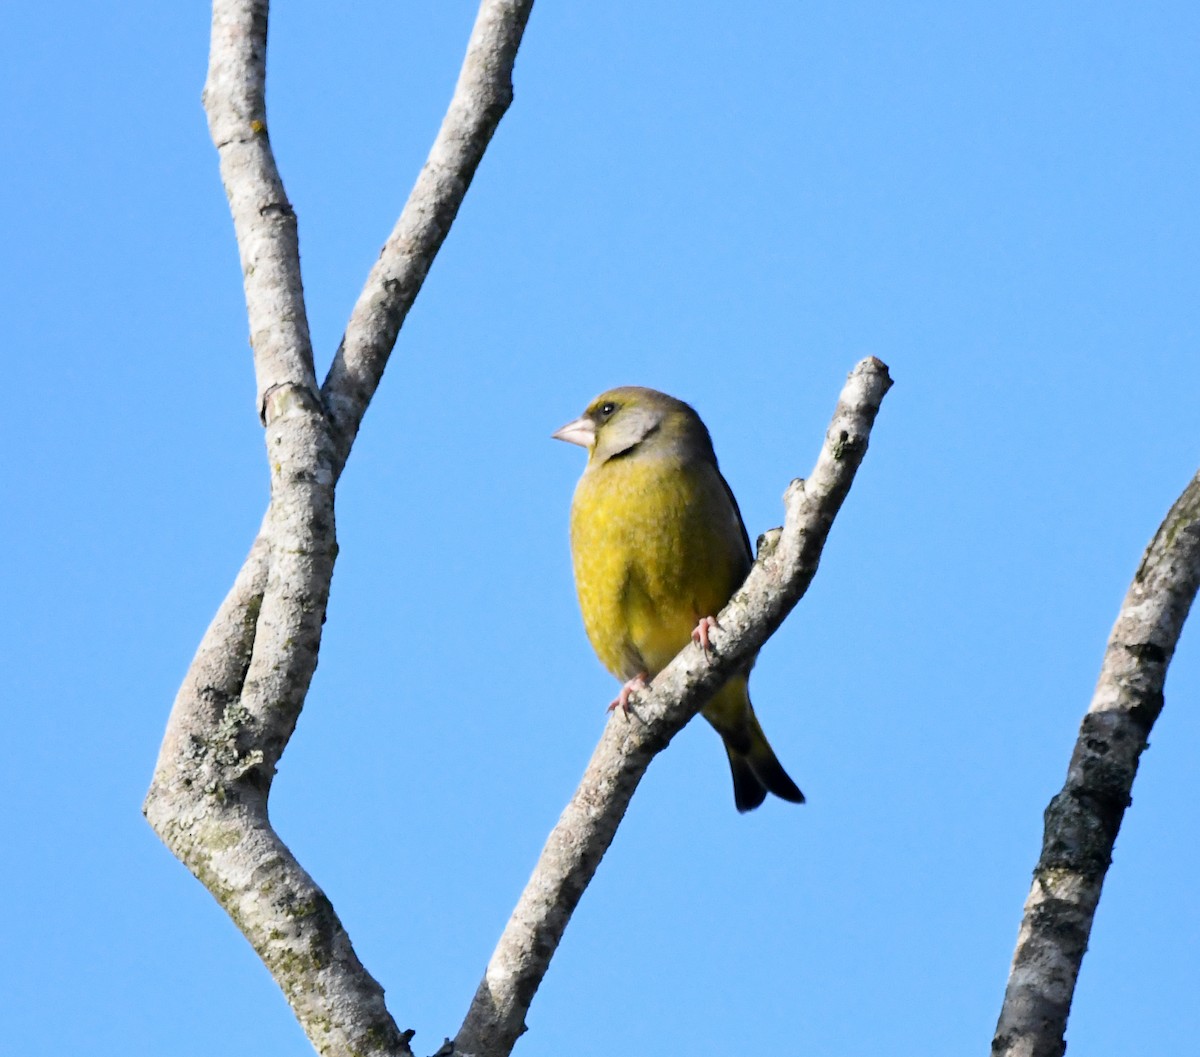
621, 701
700, 633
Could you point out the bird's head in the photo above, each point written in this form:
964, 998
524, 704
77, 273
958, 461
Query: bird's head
632, 418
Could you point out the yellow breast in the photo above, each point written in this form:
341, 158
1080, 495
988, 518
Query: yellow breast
656, 546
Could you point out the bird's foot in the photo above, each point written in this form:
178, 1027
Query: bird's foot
700, 634
621, 701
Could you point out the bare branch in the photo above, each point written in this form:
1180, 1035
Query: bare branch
481, 97
237, 856
214, 680
208, 803
786, 565
242, 696
1082, 821
244, 691
263, 219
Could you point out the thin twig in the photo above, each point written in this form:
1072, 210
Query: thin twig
1082, 821
573, 851
481, 97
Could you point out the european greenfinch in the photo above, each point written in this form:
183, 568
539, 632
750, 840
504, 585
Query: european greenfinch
659, 547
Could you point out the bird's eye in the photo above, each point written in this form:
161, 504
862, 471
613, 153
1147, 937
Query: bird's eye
608, 408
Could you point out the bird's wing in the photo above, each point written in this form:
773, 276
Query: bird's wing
737, 517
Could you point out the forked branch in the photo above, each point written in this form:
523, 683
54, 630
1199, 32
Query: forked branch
240, 700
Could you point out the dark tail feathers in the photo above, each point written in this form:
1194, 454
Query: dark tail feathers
757, 773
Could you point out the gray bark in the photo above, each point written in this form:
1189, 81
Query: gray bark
481, 97
1081, 822
242, 695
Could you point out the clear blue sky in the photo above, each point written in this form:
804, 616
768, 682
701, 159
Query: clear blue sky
1000, 201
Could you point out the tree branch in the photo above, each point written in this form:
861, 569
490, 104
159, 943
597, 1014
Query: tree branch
1082, 821
214, 681
263, 219
786, 565
481, 97
243, 693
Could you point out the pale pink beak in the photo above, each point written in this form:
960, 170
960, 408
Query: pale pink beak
582, 432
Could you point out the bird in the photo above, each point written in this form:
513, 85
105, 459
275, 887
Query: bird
658, 547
